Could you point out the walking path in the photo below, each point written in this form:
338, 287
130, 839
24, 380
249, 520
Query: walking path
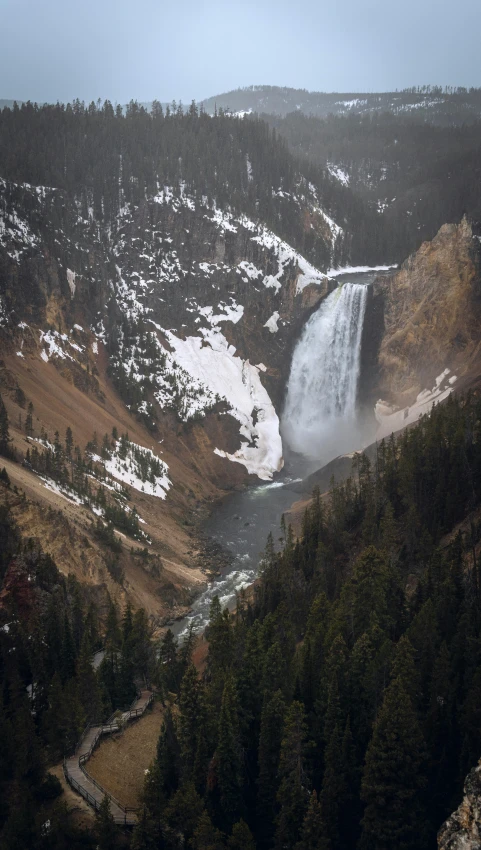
74, 767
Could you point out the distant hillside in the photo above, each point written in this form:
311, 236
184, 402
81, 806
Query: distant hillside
412, 174
430, 103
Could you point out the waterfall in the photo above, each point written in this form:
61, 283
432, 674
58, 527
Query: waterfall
319, 418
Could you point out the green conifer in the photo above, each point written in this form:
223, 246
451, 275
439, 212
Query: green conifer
293, 795
106, 831
228, 757
394, 777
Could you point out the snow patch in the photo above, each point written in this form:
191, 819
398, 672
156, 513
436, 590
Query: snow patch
339, 173
71, 282
128, 469
359, 270
286, 255
271, 323
391, 419
212, 362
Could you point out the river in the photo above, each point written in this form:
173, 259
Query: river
320, 399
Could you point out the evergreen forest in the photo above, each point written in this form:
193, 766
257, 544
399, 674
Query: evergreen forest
339, 706
104, 158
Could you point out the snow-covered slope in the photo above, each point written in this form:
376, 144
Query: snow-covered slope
197, 307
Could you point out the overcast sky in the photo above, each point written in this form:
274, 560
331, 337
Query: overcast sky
61, 49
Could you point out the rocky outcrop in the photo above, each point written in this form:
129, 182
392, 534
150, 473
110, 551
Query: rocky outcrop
432, 312
462, 831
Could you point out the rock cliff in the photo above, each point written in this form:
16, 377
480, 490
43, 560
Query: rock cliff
431, 313
462, 831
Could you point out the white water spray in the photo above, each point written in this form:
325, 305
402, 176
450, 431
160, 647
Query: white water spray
319, 418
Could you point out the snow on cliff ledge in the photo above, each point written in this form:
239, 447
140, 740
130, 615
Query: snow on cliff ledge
390, 420
212, 361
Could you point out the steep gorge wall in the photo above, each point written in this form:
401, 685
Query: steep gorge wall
431, 315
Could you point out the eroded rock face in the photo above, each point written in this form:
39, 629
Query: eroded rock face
462, 831
432, 312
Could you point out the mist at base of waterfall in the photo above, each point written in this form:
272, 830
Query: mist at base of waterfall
321, 419
322, 443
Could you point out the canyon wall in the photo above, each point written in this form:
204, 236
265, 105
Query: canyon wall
431, 311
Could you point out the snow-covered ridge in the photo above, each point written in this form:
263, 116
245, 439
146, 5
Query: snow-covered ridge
138, 467
287, 255
359, 270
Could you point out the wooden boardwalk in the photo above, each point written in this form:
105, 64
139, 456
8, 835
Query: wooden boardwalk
76, 773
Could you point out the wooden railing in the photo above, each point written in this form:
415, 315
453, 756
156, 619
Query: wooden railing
129, 817
113, 725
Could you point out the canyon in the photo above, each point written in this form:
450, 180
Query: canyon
182, 362
179, 327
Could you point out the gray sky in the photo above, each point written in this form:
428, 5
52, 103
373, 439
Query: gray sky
121, 49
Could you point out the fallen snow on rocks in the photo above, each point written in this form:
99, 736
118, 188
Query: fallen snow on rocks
232, 312
55, 345
286, 255
391, 420
138, 467
212, 362
272, 321
339, 173
359, 270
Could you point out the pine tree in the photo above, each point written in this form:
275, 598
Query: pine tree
106, 831
29, 420
313, 834
366, 595
168, 756
333, 791
441, 735
145, 835
219, 635
189, 717
394, 777
228, 757
68, 652
272, 722
88, 685
183, 811
127, 623
168, 663
112, 630
5, 440
29, 755
153, 800
207, 836
68, 443
293, 792
404, 668
241, 837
